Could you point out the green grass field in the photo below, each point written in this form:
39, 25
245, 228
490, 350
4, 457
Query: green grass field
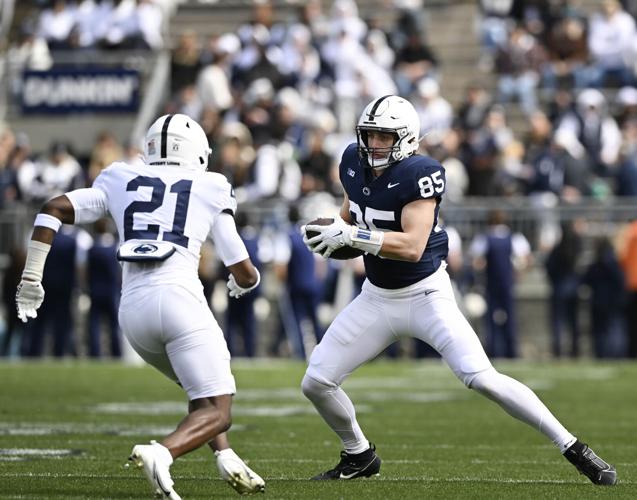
67, 428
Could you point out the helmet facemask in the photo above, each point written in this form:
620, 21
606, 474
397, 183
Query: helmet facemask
390, 115
387, 155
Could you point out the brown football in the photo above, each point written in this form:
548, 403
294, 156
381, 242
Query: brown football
343, 253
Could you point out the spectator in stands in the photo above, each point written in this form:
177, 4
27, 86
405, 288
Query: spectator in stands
538, 137
342, 52
435, 112
213, 82
56, 23
92, 22
446, 152
67, 255
149, 18
185, 62
134, 24
611, 35
104, 279
106, 151
235, 157
517, 64
30, 53
606, 279
481, 152
568, 54
50, 176
379, 50
561, 169
493, 29
9, 190
241, 323
316, 164
500, 253
10, 281
258, 60
415, 61
628, 259
300, 62
257, 110
595, 129
564, 277
303, 289
288, 117
473, 109
627, 170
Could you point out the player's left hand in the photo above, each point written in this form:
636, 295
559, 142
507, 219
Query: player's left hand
28, 299
330, 238
237, 291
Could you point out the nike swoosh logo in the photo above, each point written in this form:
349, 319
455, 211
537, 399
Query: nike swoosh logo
348, 476
427, 292
390, 185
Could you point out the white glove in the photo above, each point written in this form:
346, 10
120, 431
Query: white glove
28, 299
330, 238
236, 291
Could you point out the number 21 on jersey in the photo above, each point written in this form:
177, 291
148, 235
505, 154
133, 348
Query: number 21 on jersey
176, 234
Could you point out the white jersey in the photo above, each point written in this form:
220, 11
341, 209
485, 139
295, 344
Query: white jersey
170, 204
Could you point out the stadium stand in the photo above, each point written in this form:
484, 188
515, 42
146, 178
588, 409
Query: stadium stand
265, 94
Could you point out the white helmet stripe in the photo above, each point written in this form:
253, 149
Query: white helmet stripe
164, 136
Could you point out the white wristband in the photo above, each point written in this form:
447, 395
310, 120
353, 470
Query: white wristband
366, 240
36, 258
46, 220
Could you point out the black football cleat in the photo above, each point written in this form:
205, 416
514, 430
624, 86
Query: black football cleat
363, 464
589, 464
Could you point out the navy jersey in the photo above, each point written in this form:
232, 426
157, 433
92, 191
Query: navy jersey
377, 203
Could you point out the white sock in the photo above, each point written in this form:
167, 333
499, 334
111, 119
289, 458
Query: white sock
338, 412
521, 402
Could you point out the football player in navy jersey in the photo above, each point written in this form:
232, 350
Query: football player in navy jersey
390, 211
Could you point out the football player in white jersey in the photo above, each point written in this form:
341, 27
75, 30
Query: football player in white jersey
164, 209
390, 212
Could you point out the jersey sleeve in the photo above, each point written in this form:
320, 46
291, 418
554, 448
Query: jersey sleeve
427, 180
225, 200
89, 204
228, 243
348, 160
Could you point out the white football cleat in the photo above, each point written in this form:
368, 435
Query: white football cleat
234, 470
156, 461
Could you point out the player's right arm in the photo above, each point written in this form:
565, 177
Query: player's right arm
55, 212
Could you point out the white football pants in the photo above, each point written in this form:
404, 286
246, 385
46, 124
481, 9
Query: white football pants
174, 330
426, 310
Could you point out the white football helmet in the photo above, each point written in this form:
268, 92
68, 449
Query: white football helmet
177, 140
391, 114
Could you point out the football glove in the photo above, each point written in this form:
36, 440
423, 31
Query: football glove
330, 238
236, 291
28, 299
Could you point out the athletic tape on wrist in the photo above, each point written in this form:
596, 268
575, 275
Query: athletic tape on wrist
366, 240
46, 220
36, 258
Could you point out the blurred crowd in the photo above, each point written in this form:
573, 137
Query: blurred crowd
279, 101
